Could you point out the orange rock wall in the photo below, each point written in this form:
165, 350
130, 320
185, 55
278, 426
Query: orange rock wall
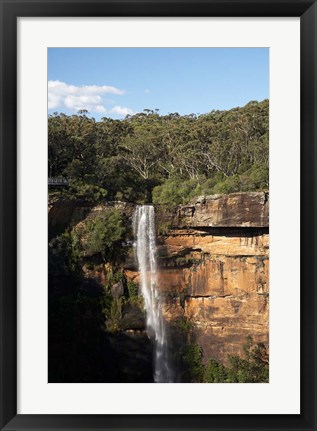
221, 284
214, 265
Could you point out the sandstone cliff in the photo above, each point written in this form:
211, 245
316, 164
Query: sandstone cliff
214, 266
249, 209
214, 270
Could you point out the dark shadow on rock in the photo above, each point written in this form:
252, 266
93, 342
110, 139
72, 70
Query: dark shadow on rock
133, 353
80, 350
133, 318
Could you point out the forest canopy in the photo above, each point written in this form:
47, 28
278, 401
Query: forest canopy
165, 159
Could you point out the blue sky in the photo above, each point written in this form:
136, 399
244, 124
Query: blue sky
113, 82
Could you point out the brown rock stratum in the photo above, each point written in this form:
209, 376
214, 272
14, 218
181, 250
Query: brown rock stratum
214, 270
249, 209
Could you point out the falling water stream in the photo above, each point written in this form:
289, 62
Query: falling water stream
144, 232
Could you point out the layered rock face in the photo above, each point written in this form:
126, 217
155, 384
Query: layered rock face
213, 267
215, 271
249, 209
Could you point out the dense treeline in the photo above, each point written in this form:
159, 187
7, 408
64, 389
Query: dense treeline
161, 158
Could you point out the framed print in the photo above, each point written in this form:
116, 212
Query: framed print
178, 140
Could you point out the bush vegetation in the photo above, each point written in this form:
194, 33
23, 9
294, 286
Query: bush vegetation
167, 159
102, 234
252, 367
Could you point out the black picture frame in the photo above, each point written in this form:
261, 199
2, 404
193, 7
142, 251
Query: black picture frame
10, 11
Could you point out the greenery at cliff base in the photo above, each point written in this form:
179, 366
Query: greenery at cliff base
253, 367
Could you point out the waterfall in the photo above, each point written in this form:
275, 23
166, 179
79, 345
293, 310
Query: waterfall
144, 232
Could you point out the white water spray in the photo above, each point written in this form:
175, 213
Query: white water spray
144, 232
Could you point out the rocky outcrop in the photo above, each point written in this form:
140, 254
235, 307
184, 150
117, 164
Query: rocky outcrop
132, 319
232, 210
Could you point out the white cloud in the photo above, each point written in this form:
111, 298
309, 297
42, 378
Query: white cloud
121, 110
91, 103
90, 97
53, 101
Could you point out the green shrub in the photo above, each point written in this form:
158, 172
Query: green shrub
176, 191
90, 193
256, 178
183, 325
132, 289
215, 372
104, 234
106, 302
192, 360
229, 185
253, 368
63, 254
115, 314
208, 184
179, 191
